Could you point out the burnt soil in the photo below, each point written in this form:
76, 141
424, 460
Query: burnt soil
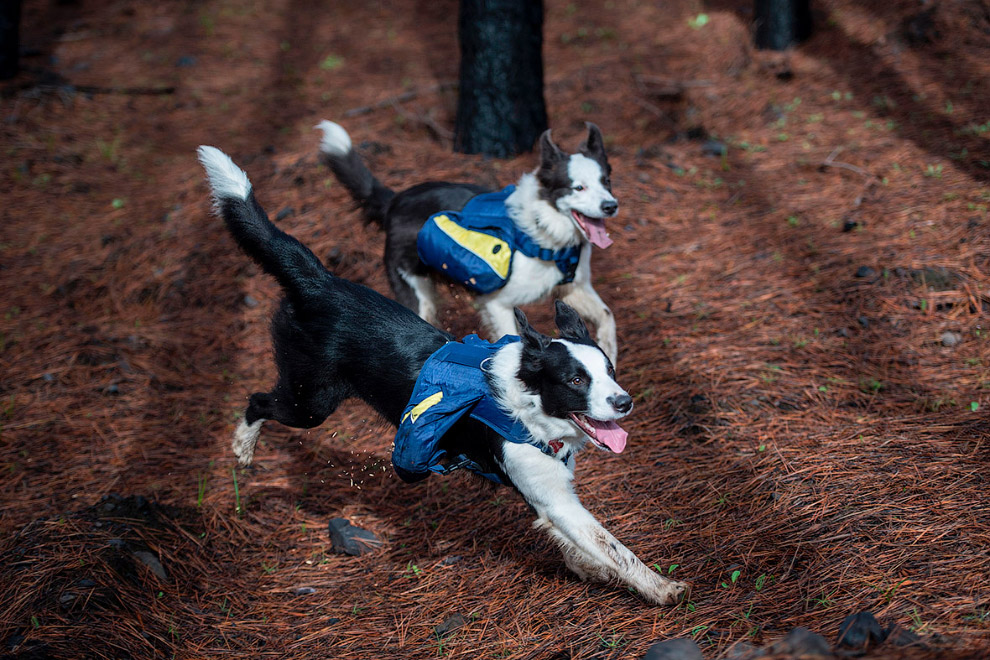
802, 321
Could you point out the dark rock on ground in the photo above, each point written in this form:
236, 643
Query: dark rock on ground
303, 591
801, 642
901, 636
250, 301
350, 540
674, 649
287, 212
152, 562
951, 338
714, 148
865, 271
449, 625
860, 631
742, 651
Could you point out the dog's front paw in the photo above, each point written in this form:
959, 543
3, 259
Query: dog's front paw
665, 592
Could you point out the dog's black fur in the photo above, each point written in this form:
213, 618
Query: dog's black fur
547, 216
335, 339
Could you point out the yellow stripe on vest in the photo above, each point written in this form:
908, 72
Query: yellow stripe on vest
423, 406
493, 251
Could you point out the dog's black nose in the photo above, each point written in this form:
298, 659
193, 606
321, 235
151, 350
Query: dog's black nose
622, 403
610, 207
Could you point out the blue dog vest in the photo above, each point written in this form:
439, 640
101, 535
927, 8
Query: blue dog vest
474, 246
452, 384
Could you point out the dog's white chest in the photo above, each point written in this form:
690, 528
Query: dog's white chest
531, 280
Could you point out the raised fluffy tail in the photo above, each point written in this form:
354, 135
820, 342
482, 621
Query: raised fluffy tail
337, 153
290, 262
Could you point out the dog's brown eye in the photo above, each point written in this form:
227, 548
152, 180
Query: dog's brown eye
579, 188
577, 380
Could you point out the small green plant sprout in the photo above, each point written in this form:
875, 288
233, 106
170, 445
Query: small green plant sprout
268, 569
917, 625
823, 388
200, 489
117, 203
793, 220
670, 523
981, 615
764, 581
974, 405
35, 623
331, 62
934, 171
670, 569
761, 448
412, 570
237, 492
823, 600
888, 593
699, 21
732, 579
614, 642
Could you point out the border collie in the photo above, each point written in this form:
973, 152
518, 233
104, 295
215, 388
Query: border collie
561, 204
334, 339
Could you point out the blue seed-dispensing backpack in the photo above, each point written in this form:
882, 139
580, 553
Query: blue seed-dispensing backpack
474, 246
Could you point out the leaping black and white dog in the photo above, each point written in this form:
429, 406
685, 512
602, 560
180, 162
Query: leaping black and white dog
562, 204
335, 339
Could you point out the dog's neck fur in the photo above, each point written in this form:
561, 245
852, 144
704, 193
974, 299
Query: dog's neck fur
536, 217
512, 395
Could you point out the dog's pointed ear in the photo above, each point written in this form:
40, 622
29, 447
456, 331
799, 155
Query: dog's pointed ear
550, 153
594, 145
529, 336
569, 323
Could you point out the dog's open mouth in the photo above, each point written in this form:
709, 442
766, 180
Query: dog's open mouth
607, 435
594, 229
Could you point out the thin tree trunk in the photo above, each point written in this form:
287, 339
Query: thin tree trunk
781, 24
10, 19
500, 108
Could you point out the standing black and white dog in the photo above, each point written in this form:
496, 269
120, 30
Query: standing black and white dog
335, 339
562, 204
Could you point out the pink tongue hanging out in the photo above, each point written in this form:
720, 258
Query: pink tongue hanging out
609, 434
594, 228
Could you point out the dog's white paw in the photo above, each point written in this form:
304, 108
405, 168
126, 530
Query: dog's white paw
245, 439
662, 591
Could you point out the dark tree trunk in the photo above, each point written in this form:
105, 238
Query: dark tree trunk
500, 107
10, 18
782, 23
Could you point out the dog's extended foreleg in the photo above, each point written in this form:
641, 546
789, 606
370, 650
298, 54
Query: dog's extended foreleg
589, 549
589, 305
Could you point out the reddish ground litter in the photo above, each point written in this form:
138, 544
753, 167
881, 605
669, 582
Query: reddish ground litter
800, 275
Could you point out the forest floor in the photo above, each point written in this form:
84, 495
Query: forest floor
802, 321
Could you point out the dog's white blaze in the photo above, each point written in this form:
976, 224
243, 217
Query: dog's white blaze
522, 404
227, 180
603, 386
584, 171
548, 226
336, 141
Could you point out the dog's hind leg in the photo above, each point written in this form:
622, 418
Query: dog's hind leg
282, 407
423, 300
